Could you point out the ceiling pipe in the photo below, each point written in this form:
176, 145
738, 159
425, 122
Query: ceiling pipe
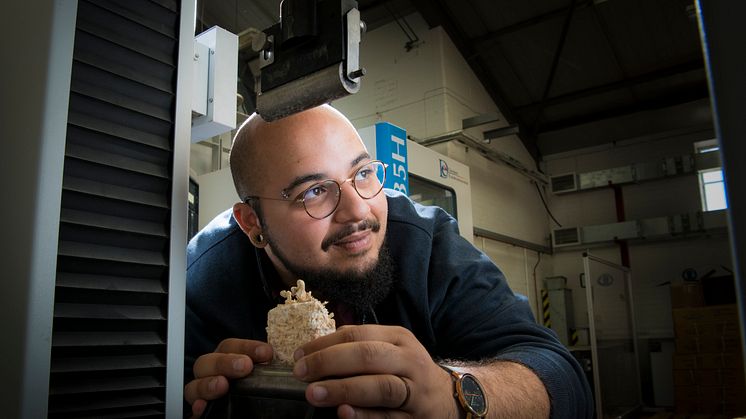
489, 154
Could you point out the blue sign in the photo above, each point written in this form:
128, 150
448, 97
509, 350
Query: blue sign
443, 169
391, 148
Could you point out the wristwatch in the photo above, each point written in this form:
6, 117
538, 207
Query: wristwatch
469, 393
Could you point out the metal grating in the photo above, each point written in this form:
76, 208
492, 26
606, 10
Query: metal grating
566, 236
564, 183
109, 334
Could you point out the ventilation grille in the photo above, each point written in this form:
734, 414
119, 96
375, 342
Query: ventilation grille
564, 183
109, 334
566, 236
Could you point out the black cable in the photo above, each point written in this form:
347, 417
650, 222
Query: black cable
546, 207
537, 263
538, 301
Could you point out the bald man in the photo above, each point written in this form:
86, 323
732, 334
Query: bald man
412, 294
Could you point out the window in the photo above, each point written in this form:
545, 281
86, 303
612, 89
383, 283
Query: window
713, 190
711, 182
427, 192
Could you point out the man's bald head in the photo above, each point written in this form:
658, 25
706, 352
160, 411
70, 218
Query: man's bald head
248, 158
244, 155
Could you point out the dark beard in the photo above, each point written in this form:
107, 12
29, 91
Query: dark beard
359, 290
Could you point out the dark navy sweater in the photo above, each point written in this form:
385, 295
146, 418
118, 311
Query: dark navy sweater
447, 292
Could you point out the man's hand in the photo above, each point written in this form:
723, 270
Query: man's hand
233, 358
379, 371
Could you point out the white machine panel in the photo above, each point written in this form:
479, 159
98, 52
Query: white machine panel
436, 168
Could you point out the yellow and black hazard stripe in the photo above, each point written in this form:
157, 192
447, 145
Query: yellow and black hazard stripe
573, 337
545, 308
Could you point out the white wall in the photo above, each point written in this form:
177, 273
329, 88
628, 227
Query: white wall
504, 201
653, 263
404, 88
427, 90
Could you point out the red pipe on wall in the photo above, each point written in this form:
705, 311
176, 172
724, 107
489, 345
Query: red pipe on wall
620, 217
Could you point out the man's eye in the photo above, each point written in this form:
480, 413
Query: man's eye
363, 174
315, 192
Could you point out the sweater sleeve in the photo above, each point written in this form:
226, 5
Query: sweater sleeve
477, 316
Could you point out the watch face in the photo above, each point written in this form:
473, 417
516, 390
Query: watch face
473, 395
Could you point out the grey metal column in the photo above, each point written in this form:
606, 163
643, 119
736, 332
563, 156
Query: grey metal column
723, 32
179, 208
37, 37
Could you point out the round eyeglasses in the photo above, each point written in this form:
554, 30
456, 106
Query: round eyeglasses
321, 199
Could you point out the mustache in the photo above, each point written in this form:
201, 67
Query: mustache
372, 225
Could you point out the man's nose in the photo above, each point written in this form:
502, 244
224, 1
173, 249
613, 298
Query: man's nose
352, 207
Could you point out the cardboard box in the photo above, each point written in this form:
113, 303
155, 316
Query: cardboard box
719, 400
699, 345
685, 392
687, 294
685, 378
706, 379
685, 362
708, 323
711, 361
734, 394
724, 360
706, 314
707, 329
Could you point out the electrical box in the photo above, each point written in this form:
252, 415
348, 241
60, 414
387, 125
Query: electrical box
610, 232
564, 183
215, 80
568, 236
615, 176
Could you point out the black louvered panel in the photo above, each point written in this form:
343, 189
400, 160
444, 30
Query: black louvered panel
110, 314
109, 222
139, 147
101, 53
116, 120
107, 87
143, 402
111, 363
105, 339
158, 16
128, 33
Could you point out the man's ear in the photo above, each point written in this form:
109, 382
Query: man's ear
248, 222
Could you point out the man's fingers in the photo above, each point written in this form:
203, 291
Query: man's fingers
346, 359
198, 408
228, 365
381, 390
258, 351
208, 388
392, 334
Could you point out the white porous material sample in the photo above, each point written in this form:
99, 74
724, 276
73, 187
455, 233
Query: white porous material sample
301, 319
